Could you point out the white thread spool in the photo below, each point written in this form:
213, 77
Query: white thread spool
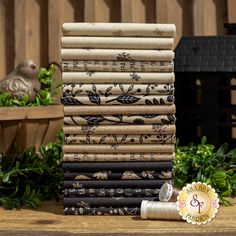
168, 193
159, 210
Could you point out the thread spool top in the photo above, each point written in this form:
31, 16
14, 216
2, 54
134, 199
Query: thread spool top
166, 192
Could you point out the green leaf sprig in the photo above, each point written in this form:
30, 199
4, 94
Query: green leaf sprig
29, 178
202, 163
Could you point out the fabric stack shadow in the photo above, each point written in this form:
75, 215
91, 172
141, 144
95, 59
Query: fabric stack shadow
119, 124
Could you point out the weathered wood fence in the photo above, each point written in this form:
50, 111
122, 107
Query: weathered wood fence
31, 28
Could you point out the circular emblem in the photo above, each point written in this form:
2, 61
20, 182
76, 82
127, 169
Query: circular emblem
198, 203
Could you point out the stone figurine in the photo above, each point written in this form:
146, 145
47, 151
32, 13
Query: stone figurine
22, 81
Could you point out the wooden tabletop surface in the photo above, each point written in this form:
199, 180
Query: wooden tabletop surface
49, 220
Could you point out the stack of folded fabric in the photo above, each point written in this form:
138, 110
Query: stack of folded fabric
119, 115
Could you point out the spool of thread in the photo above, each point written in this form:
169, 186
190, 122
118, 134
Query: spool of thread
168, 193
159, 210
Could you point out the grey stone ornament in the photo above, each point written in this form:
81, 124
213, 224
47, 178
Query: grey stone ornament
23, 80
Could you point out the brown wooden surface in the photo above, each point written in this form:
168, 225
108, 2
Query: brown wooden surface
49, 221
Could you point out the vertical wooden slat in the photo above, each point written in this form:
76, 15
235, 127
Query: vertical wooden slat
209, 17
2, 39
54, 127
9, 32
178, 12
101, 11
68, 11
41, 132
77, 10
8, 135
43, 32
231, 7
26, 129
55, 9
133, 11
54, 29
27, 30
150, 12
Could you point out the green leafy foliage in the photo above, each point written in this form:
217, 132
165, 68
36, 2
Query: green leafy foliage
43, 96
202, 163
29, 178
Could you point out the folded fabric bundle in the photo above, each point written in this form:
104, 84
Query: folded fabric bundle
117, 77
125, 175
117, 66
117, 167
117, 54
120, 139
119, 29
116, 148
117, 89
120, 100
106, 201
102, 211
114, 110
119, 119
117, 42
114, 184
123, 129
120, 157
112, 192
118, 97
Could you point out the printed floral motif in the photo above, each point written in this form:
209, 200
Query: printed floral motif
102, 174
148, 174
107, 90
110, 175
130, 175
124, 56
117, 33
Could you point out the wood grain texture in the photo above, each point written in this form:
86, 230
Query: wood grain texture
50, 135
50, 221
133, 11
231, 6
23, 127
7, 40
177, 11
27, 33
209, 17
32, 28
20, 113
2, 39
7, 135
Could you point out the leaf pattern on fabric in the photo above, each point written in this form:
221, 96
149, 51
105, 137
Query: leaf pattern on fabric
70, 101
148, 174
166, 174
93, 119
111, 192
130, 175
120, 139
102, 174
170, 120
94, 98
124, 56
125, 99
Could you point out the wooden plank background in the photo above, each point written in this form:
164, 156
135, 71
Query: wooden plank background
31, 28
